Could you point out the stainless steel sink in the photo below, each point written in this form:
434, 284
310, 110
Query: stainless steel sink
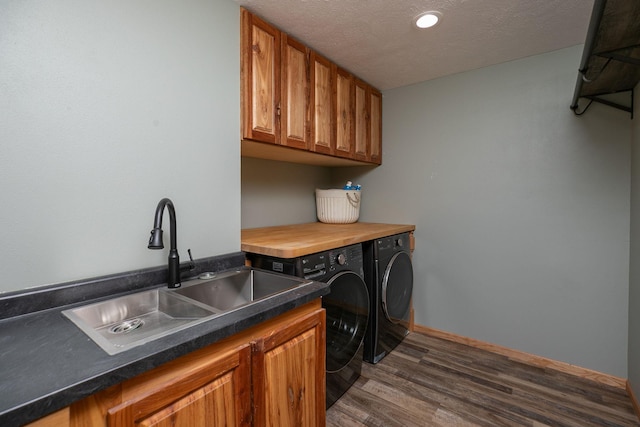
235, 289
124, 322
120, 323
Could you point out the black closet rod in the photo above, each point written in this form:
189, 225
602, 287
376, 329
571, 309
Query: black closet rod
596, 18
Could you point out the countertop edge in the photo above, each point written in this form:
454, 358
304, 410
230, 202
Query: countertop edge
350, 234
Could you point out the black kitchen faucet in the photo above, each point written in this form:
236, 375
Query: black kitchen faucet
155, 242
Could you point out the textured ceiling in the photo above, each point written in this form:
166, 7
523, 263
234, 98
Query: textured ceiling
376, 39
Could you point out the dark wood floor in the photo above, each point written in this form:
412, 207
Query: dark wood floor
428, 381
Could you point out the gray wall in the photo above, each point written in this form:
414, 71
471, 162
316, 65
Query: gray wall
279, 193
634, 273
104, 110
521, 209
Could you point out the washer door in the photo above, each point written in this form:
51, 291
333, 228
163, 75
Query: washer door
397, 286
347, 308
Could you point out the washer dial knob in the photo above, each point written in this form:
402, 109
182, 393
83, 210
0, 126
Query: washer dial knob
341, 259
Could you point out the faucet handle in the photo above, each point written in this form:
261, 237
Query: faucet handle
189, 265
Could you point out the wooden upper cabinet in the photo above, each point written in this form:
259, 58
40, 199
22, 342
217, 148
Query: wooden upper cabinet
367, 123
344, 114
294, 117
294, 97
375, 125
322, 105
275, 85
361, 121
260, 75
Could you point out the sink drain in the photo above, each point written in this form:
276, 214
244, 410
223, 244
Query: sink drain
126, 326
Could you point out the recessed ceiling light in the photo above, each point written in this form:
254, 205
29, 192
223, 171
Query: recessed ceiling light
428, 19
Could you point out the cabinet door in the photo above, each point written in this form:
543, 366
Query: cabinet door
375, 124
294, 111
344, 114
289, 374
57, 419
215, 393
322, 126
362, 129
260, 74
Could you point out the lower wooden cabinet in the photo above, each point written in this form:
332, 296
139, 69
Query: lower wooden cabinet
270, 375
289, 375
215, 391
57, 419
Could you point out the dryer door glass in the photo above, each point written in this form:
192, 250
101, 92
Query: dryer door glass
397, 286
347, 308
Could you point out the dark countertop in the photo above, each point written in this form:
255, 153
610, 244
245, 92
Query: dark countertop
47, 363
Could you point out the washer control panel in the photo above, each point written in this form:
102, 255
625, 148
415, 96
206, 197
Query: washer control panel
346, 258
314, 266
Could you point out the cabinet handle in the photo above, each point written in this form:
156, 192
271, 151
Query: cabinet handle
278, 110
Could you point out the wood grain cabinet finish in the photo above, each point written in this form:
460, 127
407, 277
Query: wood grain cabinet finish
361, 121
367, 123
375, 125
294, 106
57, 419
260, 75
292, 96
289, 369
322, 105
344, 114
215, 391
270, 375
275, 85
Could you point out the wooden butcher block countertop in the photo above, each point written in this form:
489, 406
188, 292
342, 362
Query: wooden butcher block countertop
291, 241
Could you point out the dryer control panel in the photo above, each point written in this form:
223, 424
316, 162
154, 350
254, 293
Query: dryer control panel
346, 258
392, 244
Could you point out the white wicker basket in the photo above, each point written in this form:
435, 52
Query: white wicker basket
338, 206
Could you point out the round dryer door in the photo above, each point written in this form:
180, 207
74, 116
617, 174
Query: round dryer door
347, 309
397, 286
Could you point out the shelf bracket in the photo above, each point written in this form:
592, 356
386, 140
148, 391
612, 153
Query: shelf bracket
595, 98
608, 28
613, 54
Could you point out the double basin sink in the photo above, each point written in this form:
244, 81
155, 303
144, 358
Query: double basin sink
123, 322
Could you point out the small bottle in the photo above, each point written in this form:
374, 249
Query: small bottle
348, 186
